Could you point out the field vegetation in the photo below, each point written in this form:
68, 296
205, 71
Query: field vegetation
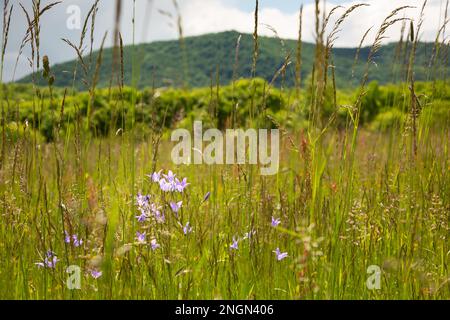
86, 177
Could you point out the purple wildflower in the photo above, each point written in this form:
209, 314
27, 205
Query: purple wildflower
67, 237
49, 261
275, 222
140, 237
153, 208
76, 242
142, 217
142, 201
170, 176
181, 185
280, 255
154, 244
50, 253
187, 228
156, 176
166, 186
176, 206
234, 245
160, 218
169, 182
96, 274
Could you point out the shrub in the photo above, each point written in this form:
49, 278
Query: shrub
388, 120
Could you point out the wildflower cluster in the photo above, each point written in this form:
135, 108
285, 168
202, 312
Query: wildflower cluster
49, 260
151, 211
148, 210
73, 239
169, 182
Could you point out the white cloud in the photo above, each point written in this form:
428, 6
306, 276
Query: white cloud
204, 16
216, 16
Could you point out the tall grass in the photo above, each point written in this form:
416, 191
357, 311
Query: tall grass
347, 198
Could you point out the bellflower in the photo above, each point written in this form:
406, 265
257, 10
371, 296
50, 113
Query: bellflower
142, 201
280, 255
77, 242
234, 245
181, 185
142, 217
166, 186
140, 237
187, 228
67, 237
156, 176
154, 244
49, 261
160, 218
170, 176
96, 274
275, 222
176, 206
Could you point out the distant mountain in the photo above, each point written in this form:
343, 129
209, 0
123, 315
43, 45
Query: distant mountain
164, 64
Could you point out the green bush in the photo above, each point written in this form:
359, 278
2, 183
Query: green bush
382, 107
388, 120
437, 114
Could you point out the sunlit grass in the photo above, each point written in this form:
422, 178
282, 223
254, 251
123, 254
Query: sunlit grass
348, 196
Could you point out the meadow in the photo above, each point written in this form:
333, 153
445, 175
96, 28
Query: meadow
362, 192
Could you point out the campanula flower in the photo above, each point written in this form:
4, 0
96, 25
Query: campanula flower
142, 217
166, 186
67, 237
159, 217
181, 185
234, 245
170, 176
153, 208
156, 176
169, 182
96, 274
280, 255
77, 242
176, 206
275, 222
140, 237
187, 228
49, 261
142, 201
154, 244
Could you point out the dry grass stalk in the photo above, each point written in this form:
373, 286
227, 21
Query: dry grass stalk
414, 100
298, 64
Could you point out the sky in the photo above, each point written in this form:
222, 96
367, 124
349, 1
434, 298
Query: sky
200, 17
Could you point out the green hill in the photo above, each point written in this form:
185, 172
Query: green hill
161, 63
